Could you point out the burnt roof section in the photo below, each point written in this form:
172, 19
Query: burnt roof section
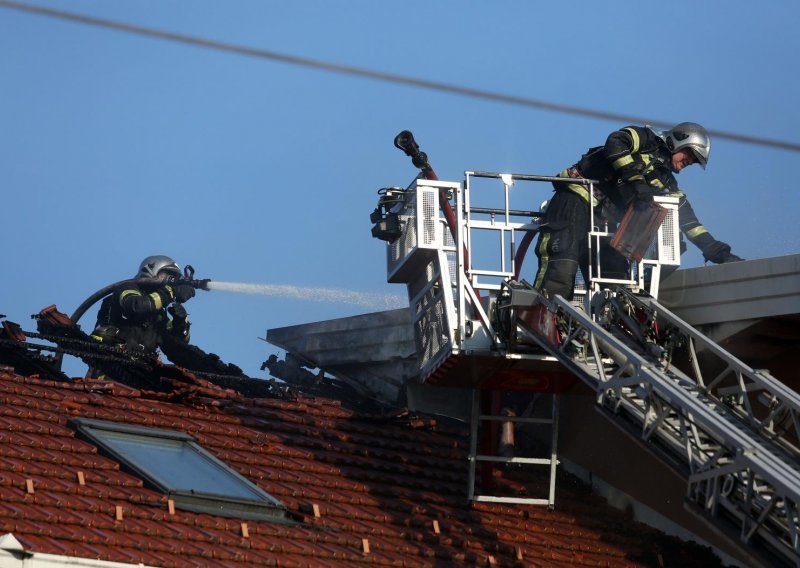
194, 369
363, 489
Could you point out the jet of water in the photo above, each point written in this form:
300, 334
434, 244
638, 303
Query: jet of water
365, 299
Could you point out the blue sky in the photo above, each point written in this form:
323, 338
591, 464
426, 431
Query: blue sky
115, 146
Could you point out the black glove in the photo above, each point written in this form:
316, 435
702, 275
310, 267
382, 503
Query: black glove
719, 252
177, 311
183, 292
731, 258
625, 194
643, 191
180, 321
643, 203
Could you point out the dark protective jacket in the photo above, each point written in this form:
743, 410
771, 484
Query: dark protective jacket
636, 163
148, 319
139, 318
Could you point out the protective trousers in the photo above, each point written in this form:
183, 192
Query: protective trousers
563, 247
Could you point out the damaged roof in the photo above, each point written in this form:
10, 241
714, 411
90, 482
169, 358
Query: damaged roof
358, 489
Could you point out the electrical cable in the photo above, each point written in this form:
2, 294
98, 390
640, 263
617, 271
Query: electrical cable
382, 76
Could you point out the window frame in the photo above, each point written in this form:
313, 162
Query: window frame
263, 507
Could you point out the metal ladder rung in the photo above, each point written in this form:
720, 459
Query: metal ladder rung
694, 425
514, 500
498, 459
474, 458
523, 419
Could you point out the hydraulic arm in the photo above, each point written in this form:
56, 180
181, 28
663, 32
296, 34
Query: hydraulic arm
731, 430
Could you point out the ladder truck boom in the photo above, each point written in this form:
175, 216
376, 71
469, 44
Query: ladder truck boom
733, 434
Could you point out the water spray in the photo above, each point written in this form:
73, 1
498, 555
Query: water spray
331, 295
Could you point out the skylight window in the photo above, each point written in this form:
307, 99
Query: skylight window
174, 463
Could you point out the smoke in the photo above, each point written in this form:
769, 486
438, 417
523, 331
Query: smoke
331, 295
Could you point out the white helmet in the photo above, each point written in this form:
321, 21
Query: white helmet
158, 266
689, 135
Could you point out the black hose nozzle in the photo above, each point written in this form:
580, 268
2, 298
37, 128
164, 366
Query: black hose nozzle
405, 142
201, 284
194, 283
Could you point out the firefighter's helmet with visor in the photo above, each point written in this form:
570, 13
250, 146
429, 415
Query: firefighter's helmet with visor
692, 136
158, 266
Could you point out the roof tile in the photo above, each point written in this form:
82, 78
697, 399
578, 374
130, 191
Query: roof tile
370, 478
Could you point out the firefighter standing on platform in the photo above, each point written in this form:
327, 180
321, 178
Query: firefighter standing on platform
635, 163
140, 316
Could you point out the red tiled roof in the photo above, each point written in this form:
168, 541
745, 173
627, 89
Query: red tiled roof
380, 488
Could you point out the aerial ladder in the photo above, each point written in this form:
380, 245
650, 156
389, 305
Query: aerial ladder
458, 247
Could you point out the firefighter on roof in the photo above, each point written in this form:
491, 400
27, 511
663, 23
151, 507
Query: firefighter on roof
635, 163
141, 312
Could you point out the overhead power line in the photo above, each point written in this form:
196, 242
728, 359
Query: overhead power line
380, 75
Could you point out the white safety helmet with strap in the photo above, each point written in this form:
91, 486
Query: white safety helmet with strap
689, 135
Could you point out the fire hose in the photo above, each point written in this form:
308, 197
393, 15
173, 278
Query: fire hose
187, 279
405, 142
